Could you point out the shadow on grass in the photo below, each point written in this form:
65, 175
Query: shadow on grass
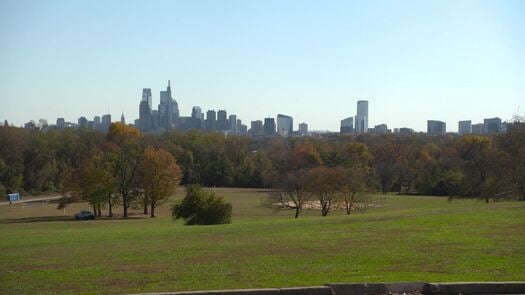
61, 218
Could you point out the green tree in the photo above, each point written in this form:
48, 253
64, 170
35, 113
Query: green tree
202, 207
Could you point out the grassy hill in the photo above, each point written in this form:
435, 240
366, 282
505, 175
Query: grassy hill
406, 238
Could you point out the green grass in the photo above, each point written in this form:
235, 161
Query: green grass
406, 239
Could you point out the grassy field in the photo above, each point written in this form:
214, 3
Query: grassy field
407, 238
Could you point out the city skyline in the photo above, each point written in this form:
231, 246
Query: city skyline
412, 61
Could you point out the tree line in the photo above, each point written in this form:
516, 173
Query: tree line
115, 168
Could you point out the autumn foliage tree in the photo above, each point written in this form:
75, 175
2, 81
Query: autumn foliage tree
159, 176
127, 150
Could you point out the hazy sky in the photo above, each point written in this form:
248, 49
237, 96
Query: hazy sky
413, 60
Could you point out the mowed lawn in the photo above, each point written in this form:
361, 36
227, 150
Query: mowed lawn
406, 238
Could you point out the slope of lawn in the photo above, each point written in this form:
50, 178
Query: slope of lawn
406, 238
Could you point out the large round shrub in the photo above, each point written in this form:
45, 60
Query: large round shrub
202, 207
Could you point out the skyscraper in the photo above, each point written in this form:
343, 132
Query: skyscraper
303, 129
146, 96
436, 127
284, 125
269, 126
222, 120
492, 125
106, 121
168, 109
361, 118
347, 125
82, 122
381, 129
211, 120
478, 128
256, 128
465, 127
233, 123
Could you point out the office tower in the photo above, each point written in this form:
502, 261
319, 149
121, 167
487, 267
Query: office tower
243, 129
61, 123
436, 127
347, 125
145, 117
197, 117
361, 119
96, 123
284, 125
154, 119
269, 126
478, 128
196, 113
238, 124
381, 129
146, 96
222, 121
168, 109
464, 127
233, 123
256, 128
492, 125
303, 129
82, 122
122, 119
211, 120
106, 122
96, 120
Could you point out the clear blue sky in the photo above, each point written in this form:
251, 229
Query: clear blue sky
413, 60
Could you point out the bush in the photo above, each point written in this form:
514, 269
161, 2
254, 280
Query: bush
202, 207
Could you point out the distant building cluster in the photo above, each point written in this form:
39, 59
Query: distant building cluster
167, 117
489, 126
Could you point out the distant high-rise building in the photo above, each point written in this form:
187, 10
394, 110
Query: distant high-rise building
61, 123
238, 125
145, 117
122, 119
381, 129
82, 122
233, 123
196, 113
465, 127
436, 127
146, 96
303, 129
347, 125
478, 128
211, 120
361, 118
269, 126
492, 125
243, 130
106, 122
284, 125
222, 120
168, 109
256, 128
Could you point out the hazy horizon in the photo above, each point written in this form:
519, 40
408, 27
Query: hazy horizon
413, 61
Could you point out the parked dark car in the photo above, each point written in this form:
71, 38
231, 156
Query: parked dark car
84, 215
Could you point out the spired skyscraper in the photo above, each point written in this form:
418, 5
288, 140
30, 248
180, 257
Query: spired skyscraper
361, 118
168, 109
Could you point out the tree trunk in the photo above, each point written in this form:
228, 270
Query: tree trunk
125, 205
145, 205
297, 212
109, 206
152, 209
99, 213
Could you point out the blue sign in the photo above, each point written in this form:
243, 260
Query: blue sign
14, 197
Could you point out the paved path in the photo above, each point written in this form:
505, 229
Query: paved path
32, 200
